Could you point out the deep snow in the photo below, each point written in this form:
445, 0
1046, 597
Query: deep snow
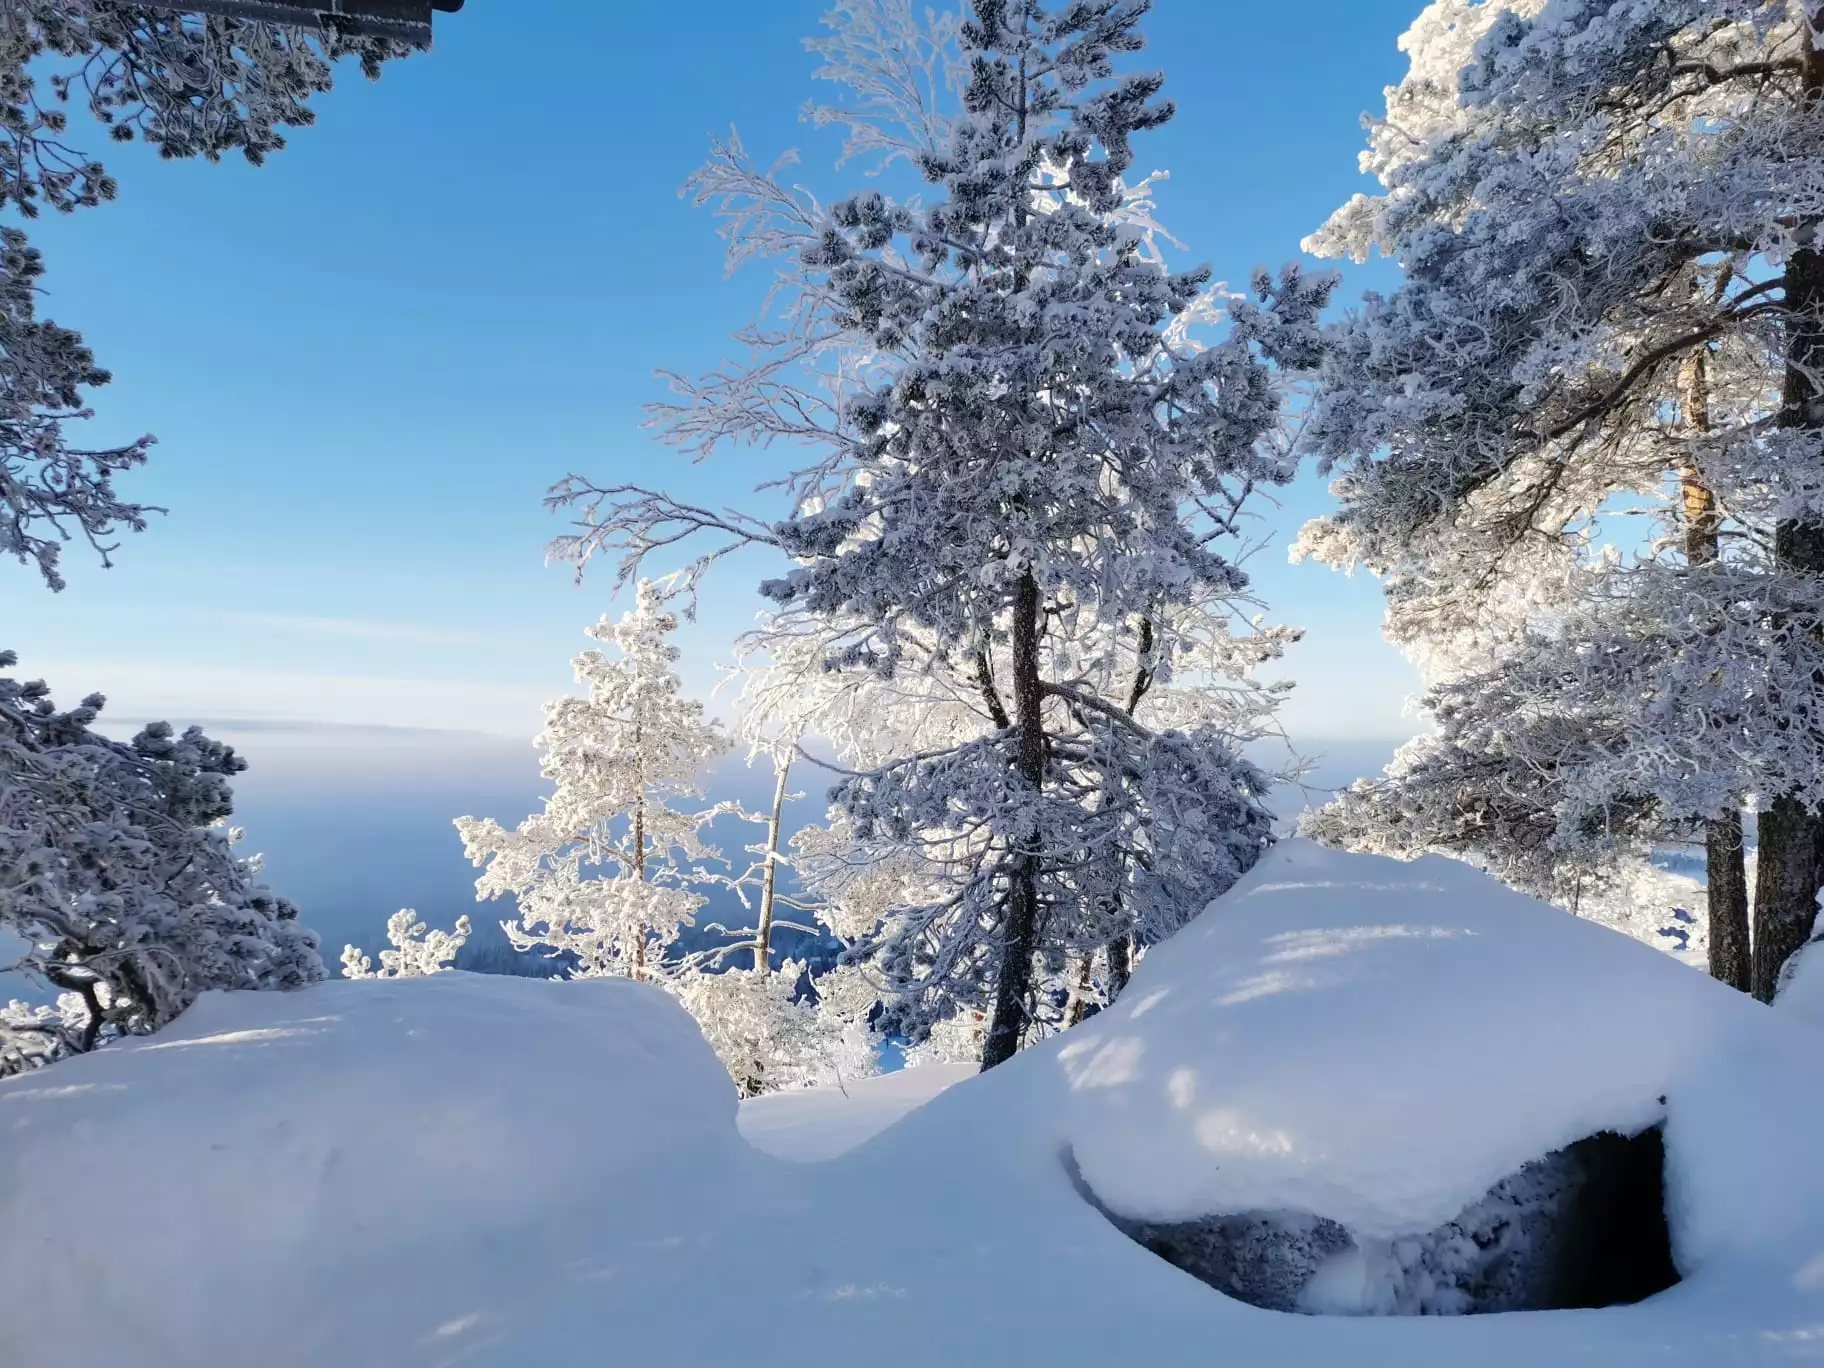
462, 1170
1802, 982
815, 1124
1279, 1049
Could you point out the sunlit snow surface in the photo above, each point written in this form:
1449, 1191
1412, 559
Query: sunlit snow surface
1375, 1042
821, 1123
469, 1171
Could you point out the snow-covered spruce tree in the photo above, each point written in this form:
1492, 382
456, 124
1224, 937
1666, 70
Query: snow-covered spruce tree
601, 875
868, 889
118, 877
417, 949
900, 71
607, 875
192, 86
1020, 443
1605, 214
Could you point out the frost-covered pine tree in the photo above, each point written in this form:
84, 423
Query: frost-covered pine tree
607, 875
602, 875
1612, 304
118, 876
1017, 441
191, 86
418, 949
1519, 777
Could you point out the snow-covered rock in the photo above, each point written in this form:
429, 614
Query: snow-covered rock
1376, 1042
1403, 1050
1582, 1227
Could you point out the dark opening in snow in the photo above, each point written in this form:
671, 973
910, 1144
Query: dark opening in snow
1585, 1226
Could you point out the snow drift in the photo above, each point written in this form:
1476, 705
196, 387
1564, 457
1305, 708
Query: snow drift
475, 1171
820, 1123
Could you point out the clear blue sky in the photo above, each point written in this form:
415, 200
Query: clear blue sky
366, 360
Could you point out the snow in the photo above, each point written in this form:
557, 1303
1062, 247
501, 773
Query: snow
275, 1154
1802, 980
458, 1170
1279, 1049
812, 1124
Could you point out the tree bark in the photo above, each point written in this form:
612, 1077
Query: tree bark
639, 873
1725, 873
1021, 919
769, 882
1120, 966
1078, 1006
1791, 836
1785, 893
1121, 948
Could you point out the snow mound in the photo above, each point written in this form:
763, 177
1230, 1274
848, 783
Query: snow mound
814, 1124
273, 1150
1801, 991
500, 1173
1379, 1044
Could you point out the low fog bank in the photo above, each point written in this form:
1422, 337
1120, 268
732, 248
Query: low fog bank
355, 822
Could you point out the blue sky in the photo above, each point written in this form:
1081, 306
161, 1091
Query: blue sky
366, 360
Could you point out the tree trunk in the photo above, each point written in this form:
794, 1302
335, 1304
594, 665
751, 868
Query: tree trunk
1785, 892
1725, 873
1791, 836
1727, 895
1020, 923
1079, 993
1120, 966
763, 935
1121, 948
639, 873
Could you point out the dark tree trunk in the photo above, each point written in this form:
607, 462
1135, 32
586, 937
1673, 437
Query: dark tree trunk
1726, 874
1121, 948
1727, 897
1791, 835
1120, 966
1020, 921
1785, 889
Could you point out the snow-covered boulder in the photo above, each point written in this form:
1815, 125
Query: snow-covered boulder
1417, 1056
304, 1155
1582, 1227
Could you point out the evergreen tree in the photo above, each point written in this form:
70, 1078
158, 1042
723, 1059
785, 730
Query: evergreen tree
191, 86
608, 874
1019, 446
417, 949
1611, 305
600, 875
117, 874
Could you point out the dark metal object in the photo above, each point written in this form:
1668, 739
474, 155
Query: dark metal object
406, 20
